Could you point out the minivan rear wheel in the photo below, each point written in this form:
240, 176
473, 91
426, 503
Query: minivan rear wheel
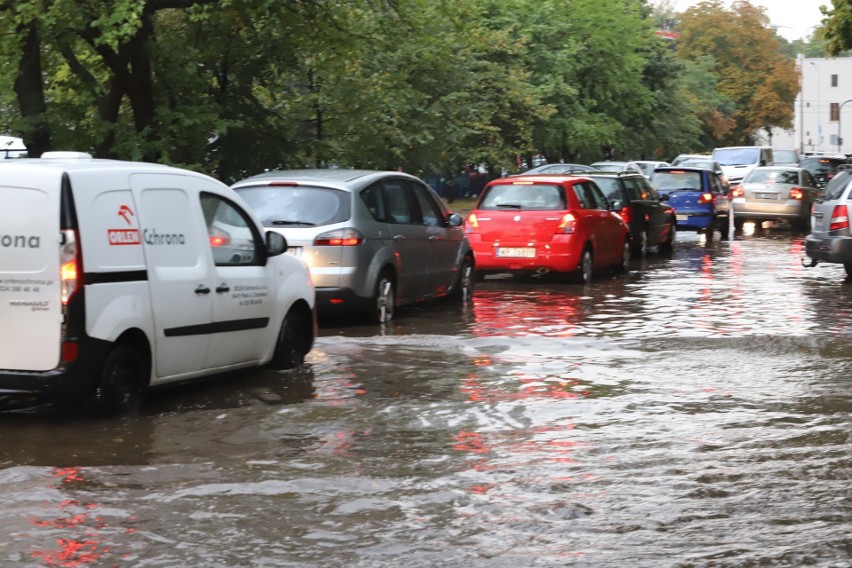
123, 382
384, 299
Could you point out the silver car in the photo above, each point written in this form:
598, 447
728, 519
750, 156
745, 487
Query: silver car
373, 240
775, 193
830, 239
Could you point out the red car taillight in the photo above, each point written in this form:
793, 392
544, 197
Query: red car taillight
738, 191
339, 238
567, 225
839, 218
706, 198
472, 224
219, 238
625, 214
796, 193
70, 265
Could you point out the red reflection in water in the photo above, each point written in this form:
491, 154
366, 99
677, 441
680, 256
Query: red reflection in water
86, 545
502, 313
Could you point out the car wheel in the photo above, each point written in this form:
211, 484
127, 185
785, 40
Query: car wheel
384, 299
738, 224
848, 267
708, 231
583, 273
624, 266
668, 244
802, 224
640, 246
463, 287
123, 382
291, 345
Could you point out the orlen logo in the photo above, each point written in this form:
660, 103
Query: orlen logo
124, 236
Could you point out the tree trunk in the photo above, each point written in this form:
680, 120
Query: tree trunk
30, 93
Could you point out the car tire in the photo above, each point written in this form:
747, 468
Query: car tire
463, 287
724, 224
668, 244
583, 272
639, 247
708, 231
738, 224
624, 266
123, 382
291, 345
847, 266
384, 299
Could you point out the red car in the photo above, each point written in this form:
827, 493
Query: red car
547, 223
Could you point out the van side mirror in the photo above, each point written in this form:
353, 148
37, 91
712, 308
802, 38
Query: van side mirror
275, 243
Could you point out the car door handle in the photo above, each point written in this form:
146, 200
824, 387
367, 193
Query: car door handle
202, 289
432, 237
399, 237
223, 288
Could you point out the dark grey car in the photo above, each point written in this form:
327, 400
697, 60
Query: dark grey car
373, 240
830, 239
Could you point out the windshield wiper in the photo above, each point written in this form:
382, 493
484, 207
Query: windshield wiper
509, 206
288, 222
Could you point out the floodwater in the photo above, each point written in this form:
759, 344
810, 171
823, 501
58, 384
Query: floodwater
695, 413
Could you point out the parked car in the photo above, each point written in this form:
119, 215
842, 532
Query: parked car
830, 239
651, 222
697, 196
648, 167
543, 224
559, 169
683, 157
119, 276
824, 166
775, 193
613, 166
373, 240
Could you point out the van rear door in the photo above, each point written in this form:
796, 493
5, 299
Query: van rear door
30, 305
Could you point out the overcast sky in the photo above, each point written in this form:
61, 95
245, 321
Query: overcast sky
800, 15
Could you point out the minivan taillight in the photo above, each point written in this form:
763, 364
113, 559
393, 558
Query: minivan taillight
567, 225
339, 238
839, 218
69, 265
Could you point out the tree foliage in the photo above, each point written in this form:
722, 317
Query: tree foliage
837, 26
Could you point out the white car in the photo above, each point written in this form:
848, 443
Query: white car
120, 276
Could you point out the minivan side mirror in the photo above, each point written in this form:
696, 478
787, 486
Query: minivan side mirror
455, 220
275, 243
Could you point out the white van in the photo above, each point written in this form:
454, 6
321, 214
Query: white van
738, 161
120, 276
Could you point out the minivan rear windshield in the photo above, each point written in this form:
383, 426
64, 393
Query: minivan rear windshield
736, 156
283, 206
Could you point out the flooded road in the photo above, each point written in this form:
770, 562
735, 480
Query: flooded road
694, 413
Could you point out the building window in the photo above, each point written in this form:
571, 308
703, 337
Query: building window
834, 80
835, 112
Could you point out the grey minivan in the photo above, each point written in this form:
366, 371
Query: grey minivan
830, 239
373, 240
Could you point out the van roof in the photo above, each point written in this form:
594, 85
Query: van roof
81, 161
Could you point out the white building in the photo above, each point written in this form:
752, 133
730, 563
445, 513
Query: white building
826, 90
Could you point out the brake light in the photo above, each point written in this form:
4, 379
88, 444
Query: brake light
70, 264
219, 238
839, 218
706, 198
625, 214
339, 238
567, 225
796, 193
738, 191
472, 224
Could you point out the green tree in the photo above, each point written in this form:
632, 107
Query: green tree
837, 26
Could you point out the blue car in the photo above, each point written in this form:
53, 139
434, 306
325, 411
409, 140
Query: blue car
698, 198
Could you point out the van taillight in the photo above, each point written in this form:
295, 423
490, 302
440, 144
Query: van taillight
839, 218
339, 238
567, 225
69, 265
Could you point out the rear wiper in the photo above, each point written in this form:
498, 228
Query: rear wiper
288, 222
509, 206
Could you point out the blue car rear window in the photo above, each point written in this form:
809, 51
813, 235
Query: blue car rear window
670, 181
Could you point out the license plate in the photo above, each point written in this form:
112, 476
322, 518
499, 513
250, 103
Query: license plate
295, 251
682, 217
764, 195
516, 252
739, 200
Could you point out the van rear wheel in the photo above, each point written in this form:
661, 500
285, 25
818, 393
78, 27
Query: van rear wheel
123, 382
